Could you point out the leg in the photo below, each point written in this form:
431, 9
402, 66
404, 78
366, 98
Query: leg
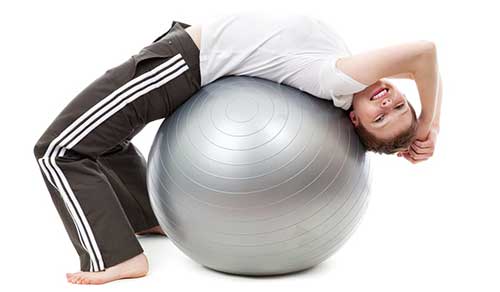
126, 168
95, 220
81, 191
104, 115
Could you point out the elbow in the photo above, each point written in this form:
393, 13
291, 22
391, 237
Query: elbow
425, 57
426, 53
427, 47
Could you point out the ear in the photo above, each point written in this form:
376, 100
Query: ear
354, 118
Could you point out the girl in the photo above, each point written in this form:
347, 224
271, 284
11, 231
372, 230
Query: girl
97, 177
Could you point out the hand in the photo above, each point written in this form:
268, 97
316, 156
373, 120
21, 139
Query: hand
421, 149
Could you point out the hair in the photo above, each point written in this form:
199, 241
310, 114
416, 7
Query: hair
398, 143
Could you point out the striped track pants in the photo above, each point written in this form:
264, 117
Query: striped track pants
95, 175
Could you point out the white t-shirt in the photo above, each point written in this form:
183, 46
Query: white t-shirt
292, 49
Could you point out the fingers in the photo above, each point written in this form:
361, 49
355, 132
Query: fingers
423, 144
408, 156
420, 150
419, 153
411, 159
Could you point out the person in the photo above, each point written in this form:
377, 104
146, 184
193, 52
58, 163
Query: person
97, 177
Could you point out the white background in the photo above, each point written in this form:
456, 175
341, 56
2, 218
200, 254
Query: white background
429, 227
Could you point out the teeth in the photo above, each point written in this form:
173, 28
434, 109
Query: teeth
380, 94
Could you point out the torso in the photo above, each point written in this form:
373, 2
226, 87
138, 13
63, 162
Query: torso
194, 32
292, 49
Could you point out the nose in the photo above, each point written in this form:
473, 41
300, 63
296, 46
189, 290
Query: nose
386, 102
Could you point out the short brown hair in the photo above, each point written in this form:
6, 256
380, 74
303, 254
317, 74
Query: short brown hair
399, 143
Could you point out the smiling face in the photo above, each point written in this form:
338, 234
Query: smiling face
382, 110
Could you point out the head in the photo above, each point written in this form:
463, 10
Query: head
383, 118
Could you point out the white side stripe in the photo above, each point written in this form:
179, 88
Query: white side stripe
88, 237
106, 99
44, 168
69, 205
117, 101
138, 87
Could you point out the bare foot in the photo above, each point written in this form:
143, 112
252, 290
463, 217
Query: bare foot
132, 268
153, 230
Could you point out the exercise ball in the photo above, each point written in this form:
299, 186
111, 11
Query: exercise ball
253, 177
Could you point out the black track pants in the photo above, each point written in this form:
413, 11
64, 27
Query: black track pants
94, 174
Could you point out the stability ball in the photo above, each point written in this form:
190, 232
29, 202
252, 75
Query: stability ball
254, 177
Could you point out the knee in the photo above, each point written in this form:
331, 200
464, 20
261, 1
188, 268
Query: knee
37, 150
40, 148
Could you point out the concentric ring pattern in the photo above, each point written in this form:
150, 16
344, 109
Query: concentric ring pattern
253, 177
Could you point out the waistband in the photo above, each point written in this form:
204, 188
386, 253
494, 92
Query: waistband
180, 39
177, 27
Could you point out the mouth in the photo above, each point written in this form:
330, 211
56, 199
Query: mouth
379, 93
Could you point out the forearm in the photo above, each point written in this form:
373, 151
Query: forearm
435, 122
427, 79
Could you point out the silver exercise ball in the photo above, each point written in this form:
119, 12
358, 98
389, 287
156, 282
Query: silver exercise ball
253, 177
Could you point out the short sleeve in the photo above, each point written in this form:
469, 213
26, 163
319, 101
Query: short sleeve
337, 85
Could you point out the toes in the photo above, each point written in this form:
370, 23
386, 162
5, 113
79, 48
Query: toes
77, 279
71, 278
82, 280
91, 277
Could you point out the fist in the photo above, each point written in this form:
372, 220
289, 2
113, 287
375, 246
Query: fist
421, 150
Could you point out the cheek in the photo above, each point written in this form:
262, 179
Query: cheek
366, 111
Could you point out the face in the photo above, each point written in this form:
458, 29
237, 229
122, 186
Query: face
382, 109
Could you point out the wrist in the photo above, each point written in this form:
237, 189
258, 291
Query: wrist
435, 126
425, 119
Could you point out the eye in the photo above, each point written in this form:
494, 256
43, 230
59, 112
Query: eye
400, 106
379, 119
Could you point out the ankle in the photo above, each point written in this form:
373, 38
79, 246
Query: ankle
137, 266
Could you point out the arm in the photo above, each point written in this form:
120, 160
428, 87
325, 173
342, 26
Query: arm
403, 76
435, 122
422, 150
427, 79
397, 61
